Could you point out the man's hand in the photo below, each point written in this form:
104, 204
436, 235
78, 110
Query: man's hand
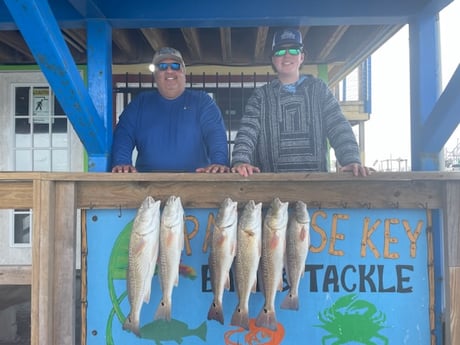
245, 169
124, 169
213, 168
357, 169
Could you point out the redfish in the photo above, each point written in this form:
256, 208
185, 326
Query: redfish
297, 245
142, 259
171, 246
222, 253
273, 250
248, 252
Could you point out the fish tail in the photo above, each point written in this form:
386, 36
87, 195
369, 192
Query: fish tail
201, 331
240, 318
132, 325
163, 311
291, 301
215, 312
267, 319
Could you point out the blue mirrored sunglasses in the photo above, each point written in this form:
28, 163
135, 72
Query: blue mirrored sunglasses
291, 51
163, 66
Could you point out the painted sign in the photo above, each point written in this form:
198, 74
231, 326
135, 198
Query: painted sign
365, 282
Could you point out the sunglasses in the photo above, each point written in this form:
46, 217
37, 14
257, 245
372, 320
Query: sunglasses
291, 51
163, 66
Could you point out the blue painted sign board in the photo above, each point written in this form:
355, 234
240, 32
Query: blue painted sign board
366, 282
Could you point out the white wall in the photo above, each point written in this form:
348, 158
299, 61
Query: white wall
22, 255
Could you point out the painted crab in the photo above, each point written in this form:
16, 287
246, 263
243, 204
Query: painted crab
352, 319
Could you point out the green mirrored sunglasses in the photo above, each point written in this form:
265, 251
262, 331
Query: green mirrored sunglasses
291, 51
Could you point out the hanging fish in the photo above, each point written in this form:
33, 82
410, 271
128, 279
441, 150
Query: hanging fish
171, 246
273, 250
223, 248
248, 251
142, 259
297, 245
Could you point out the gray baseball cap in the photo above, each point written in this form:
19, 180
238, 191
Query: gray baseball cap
168, 53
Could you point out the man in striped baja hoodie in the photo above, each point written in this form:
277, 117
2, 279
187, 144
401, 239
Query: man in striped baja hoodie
288, 122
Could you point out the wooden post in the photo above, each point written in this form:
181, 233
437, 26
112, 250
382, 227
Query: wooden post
42, 259
452, 226
64, 279
53, 264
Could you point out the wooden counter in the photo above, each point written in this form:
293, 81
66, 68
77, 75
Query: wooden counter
56, 197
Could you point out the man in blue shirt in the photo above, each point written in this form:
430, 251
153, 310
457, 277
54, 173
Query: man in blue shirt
173, 129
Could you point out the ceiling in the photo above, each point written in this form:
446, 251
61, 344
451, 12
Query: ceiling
337, 46
235, 33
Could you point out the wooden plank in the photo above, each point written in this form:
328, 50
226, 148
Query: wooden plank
451, 245
84, 280
19, 176
323, 194
454, 275
452, 219
64, 264
376, 176
16, 275
42, 263
16, 194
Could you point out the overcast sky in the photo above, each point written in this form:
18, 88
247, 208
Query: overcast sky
388, 131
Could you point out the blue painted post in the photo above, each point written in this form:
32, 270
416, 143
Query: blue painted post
99, 51
425, 81
53, 56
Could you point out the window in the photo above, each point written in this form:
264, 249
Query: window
41, 143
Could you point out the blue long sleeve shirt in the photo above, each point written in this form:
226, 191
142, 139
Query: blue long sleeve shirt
170, 135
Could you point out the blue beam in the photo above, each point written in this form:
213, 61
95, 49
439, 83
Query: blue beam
87, 8
425, 84
445, 116
43, 36
236, 13
99, 51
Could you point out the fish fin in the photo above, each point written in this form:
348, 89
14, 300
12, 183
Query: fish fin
148, 283
280, 285
221, 238
139, 247
132, 325
233, 249
215, 312
182, 238
227, 282
260, 279
163, 311
291, 301
201, 331
176, 281
267, 319
274, 241
286, 271
303, 233
147, 293
254, 286
240, 318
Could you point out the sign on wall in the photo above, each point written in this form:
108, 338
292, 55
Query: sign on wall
41, 104
365, 282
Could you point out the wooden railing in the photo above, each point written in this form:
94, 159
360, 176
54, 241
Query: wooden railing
56, 197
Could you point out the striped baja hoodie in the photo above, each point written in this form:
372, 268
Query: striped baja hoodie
287, 128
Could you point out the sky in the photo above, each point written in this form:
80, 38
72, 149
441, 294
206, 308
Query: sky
387, 133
